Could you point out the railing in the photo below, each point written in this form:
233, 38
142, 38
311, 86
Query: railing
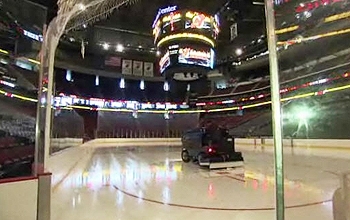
121, 133
341, 199
346, 193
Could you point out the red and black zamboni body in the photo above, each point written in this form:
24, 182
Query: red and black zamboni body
214, 149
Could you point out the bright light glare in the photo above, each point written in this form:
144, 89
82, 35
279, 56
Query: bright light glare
7, 84
4, 51
122, 83
97, 81
69, 75
105, 46
186, 36
315, 37
142, 85
120, 48
166, 86
82, 7
239, 51
166, 116
303, 113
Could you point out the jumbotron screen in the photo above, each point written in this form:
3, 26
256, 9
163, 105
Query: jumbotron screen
186, 21
178, 55
185, 38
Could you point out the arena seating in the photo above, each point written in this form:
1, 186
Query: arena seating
62, 124
261, 85
239, 89
221, 91
31, 76
230, 121
16, 154
18, 125
22, 77
154, 92
112, 124
244, 88
17, 135
260, 125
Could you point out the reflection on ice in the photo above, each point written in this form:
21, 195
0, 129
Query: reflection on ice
211, 190
131, 175
120, 198
140, 196
166, 195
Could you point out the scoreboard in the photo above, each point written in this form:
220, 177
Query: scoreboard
178, 55
186, 40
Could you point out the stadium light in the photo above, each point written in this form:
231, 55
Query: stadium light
301, 115
97, 80
261, 3
166, 116
120, 48
304, 113
69, 75
142, 84
105, 46
4, 51
166, 86
239, 51
122, 83
135, 114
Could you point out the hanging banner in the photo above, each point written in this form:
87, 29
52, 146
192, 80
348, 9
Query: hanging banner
127, 67
233, 31
137, 68
148, 69
113, 61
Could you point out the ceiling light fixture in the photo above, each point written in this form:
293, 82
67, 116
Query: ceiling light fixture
120, 48
142, 85
258, 3
166, 86
239, 51
122, 83
105, 46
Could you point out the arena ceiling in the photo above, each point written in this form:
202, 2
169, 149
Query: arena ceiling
131, 26
138, 19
